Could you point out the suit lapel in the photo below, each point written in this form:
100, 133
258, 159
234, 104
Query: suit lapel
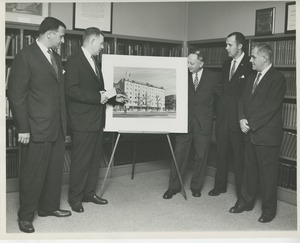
88, 65
262, 82
44, 59
202, 80
240, 68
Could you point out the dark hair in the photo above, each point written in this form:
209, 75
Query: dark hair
197, 52
50, 23
239, 37
91, 31
264, 48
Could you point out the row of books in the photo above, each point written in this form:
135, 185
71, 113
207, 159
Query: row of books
12, 165
12, 44
214, 55
289, 115
284, 51
11, 136
148, 50
290, 77
287, 176
289, 145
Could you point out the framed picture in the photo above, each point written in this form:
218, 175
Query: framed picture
93, 15
31, 13
157, 89
290, 17
265, 21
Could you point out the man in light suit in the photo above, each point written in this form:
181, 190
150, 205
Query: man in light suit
36, 95
228, 134
260, 117
86, 118
203, 85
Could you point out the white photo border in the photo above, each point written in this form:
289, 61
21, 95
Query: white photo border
148, 125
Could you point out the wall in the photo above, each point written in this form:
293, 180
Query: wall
218, 19
156, 20
181, 20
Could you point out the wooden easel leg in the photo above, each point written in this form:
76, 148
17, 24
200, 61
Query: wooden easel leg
109, 164
175, 163
134, 159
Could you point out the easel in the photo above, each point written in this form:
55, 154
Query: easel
112, 157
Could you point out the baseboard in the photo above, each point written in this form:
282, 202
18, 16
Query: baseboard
283, 194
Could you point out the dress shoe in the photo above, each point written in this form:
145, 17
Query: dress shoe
56, 213
265, 218
196, 193
25, 226
170, 193
215, 192
95, 199
239, 208
77, 207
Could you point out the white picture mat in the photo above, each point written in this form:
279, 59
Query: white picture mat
28, 18
151, 125
93, 14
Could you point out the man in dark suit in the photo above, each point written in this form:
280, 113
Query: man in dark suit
36, 95
203, 85
260, 117
228, 134
86, 117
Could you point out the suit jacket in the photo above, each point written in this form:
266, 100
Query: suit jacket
263, 108
200, 102
36, 94
85, 112
227, 104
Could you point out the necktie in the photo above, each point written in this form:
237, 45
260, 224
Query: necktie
232, 70
196, 81
256, 82
96, 67
53, 63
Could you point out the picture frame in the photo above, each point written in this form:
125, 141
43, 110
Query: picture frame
265, 21
290, 17
93, 14
157, 90
30, 13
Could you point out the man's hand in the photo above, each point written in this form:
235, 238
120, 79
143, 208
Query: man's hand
104, 97
244, 126
24, 138
121, 98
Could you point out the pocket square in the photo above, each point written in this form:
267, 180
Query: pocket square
242, 76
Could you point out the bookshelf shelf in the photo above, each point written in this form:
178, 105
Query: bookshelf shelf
288, 158
12, 148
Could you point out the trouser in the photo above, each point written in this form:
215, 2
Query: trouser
41, 174
85, 164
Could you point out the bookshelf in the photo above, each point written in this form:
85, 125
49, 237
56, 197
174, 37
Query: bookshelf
285, 61
152, 148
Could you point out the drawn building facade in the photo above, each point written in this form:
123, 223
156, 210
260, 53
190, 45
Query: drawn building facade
142, 97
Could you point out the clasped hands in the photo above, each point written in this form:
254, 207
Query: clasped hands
244, 126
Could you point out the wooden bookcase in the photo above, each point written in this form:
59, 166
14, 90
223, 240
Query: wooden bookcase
284, 49
152, 149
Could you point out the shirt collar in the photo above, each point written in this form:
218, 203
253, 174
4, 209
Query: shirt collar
86, 53
41, 46
263, 72
239, 59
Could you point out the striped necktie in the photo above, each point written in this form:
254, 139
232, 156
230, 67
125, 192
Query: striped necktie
232, 70
196, 81
96, 67
256, 82
53, 62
